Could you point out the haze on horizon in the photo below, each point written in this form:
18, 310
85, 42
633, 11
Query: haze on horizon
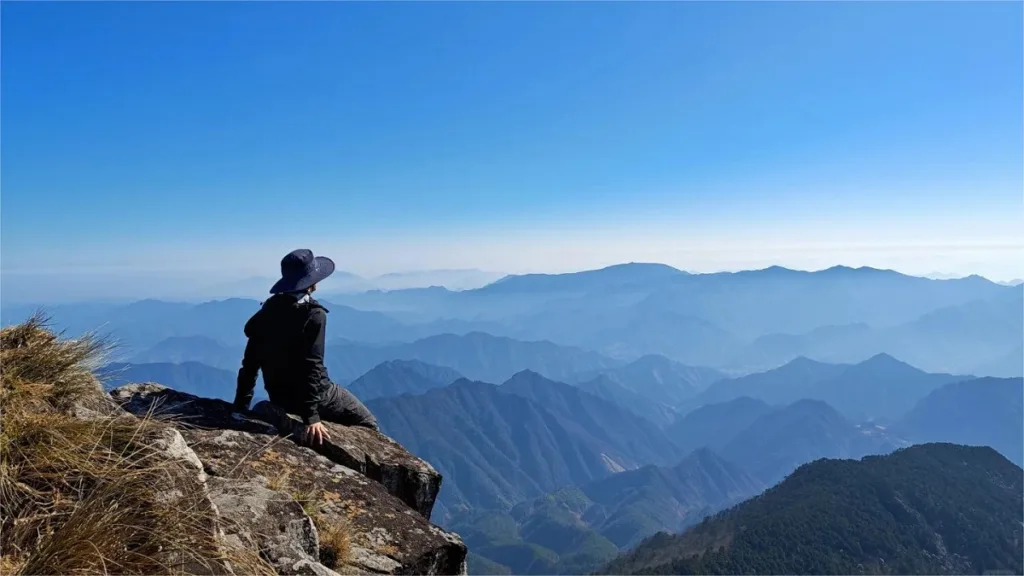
157, 147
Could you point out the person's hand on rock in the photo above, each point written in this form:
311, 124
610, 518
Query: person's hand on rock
316, 433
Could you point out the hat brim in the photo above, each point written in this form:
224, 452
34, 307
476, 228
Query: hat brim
325, 267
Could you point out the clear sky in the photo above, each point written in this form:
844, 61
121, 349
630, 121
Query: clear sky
177, 138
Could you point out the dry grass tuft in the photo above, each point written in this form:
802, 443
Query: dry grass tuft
89, 496
45, 373
335, 537
281, 481
335, 543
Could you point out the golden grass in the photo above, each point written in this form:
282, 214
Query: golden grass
335, 537
335, 544
91, 496
281, 481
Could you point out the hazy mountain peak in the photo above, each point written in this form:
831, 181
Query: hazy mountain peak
642, 266
800, 364
585, 280
467, 383
883, 364
775, 270
883, 359
397, 377
529, 376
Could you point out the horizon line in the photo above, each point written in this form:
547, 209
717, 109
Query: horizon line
177, 272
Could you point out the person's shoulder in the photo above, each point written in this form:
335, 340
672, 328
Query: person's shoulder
252, 324
316, 312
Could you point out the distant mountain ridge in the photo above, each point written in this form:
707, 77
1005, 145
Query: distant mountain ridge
952, 338
658, 378
616, 276
476, 355
397, 377
626, 312
854, 389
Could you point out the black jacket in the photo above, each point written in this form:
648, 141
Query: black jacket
286, 341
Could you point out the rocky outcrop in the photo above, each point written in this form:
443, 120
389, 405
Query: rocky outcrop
370, 453
361, 501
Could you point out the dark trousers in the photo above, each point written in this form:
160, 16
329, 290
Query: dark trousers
342, 407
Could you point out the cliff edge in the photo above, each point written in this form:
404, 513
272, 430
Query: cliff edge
148, 480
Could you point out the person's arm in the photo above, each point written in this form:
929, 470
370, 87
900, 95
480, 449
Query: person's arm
314, 335
246, 383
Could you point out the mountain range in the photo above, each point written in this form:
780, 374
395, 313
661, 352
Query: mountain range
500, 445
575, 415
546, 477
881, 387
739, 322
927, 509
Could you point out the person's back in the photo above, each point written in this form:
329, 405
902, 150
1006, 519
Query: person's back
286, 341
278, 332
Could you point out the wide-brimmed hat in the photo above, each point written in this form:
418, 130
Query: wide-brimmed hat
300, 270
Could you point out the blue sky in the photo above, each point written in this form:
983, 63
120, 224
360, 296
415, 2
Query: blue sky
180, 137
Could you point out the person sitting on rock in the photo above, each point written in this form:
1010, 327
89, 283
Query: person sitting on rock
286, 341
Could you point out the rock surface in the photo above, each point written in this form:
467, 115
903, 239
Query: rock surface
272, 493
370, 453
265, 520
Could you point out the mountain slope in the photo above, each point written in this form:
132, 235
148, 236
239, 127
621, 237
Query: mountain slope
779, 441
880, 387
496, 448
927, 509
638, 503
664, 380
981, 412
627, 440
658, 413
579, 528
397, 377
714, 425
793, 381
